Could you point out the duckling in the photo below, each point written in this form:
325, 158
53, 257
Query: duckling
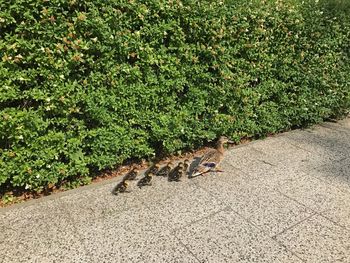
164, 171
147, 180
186, 165
153, 169
211, 160
131, 175
121, 187
177, 172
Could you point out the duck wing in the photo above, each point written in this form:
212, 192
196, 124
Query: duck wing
212, 156
208, 162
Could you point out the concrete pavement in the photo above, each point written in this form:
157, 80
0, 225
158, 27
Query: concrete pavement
282, 199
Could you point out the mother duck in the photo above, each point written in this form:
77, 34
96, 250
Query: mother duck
211, 160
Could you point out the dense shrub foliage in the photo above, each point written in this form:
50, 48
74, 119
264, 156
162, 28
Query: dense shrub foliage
85, 85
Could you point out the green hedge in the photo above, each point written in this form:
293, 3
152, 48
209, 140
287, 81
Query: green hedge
85, 85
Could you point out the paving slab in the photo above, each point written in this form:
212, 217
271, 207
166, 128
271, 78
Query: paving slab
132, 236
189, 205
339, 214
31, 235
227, 237
278, 149
317, 240
316, 194
341, 126
336, 174
329, 145
345, 123
89, 204
254, 198
249, 160
263, 168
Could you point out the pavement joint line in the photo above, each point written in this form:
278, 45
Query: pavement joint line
289, 250
266, 162
339, 188
274, 240
301, 148
334, 222
259, 160
294, 225
295, 200
237, 169
252, 223
315, 214
229, 207
187, 248
315, 153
